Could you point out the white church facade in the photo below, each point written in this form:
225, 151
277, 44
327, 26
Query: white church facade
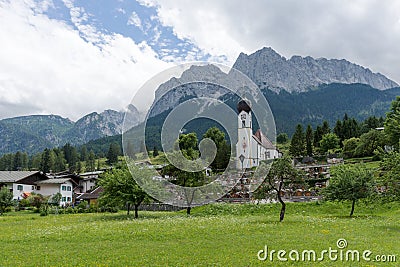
251, 148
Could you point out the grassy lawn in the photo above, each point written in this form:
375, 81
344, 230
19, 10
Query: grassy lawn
215, 235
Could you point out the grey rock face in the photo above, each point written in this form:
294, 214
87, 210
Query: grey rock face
170, 93
270, 70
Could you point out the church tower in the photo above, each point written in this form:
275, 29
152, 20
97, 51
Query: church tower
245, 133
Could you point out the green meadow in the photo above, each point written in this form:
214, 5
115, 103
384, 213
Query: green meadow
214, 235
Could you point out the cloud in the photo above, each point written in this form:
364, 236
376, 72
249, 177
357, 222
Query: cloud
121, 10
47, 66
135, 20
364, 32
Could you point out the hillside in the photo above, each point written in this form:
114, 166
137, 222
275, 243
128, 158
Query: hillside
34, 133
327, 102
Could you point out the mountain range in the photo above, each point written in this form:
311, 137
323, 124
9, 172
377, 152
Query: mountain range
267, 69
37, 132
299, 90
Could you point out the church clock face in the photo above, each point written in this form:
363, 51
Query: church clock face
243, 116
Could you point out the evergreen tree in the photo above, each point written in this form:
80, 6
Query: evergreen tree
18, 163
83, 154
90, 162
113, 153
309, 140
25, 160
78, 167
297, 144
130, 151
326, 128
7, 162
35, 162
60, 162
317, 136
371, 123
282, 138
74, 159
67, 149
98, 164
155, 152
338, 130
48, 160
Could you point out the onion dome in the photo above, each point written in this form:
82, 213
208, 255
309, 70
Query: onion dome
245, 105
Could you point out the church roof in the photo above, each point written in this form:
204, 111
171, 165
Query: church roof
245, 105
263, 140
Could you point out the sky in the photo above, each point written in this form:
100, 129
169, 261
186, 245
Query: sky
73, 57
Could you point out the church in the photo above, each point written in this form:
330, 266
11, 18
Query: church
251, 148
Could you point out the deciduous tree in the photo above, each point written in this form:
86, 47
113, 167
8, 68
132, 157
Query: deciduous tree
281, 173
120, 187
390, 176
5, 199
329, 141
350, 182
392, 124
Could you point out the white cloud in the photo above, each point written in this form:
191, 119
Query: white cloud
135, 20
366, 32
47, 67
121, 10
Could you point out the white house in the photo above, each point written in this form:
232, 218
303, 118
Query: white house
251, 148
89, 180
50, 187
21, 183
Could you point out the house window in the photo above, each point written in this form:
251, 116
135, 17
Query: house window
33, 187
63, 188
38, 187
68, 188
68, 199
20, 187
63, 199
243, 124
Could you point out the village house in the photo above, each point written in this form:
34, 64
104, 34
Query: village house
21, 183
24, 183
91, 197
52, 186
88, 180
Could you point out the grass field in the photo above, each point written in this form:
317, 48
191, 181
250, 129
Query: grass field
215, 235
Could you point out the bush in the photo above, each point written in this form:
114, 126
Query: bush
69, 210
93, 208
23, 203
43, 210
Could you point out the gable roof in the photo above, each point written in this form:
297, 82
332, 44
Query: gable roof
263, 140
15, 176
91, 173
92, 195
55, 181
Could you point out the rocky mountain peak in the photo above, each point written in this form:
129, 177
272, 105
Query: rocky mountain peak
270, 70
